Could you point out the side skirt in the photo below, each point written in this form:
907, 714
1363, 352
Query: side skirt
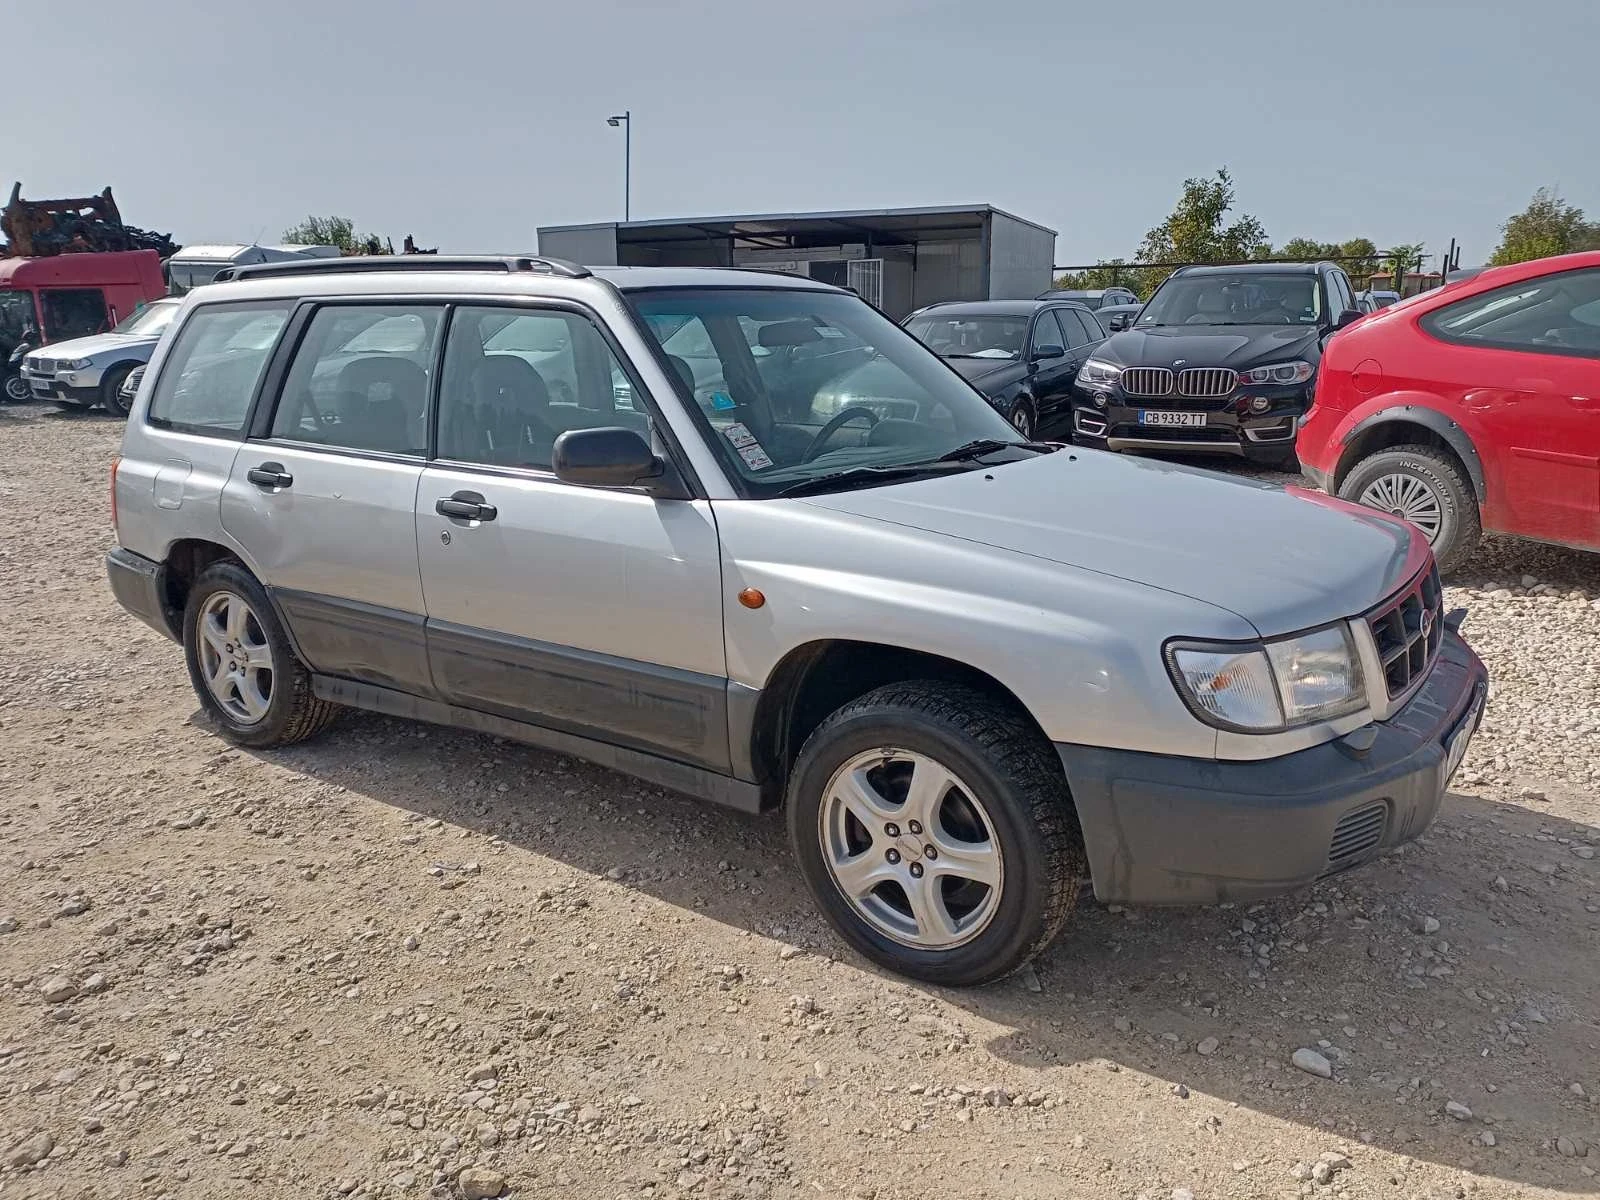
664, 772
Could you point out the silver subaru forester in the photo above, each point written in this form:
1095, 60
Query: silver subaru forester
597, 511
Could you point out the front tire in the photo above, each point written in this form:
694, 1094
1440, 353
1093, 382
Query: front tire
1426, 488
111, 391
935, 830
1022, 418
241, 665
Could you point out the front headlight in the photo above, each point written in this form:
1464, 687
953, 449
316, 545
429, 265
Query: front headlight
1269, 686
78, 364
1097, 373
1280, 373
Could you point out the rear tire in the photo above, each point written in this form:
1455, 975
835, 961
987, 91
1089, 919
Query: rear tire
17, 389
241, 665
1428, 485
993, 804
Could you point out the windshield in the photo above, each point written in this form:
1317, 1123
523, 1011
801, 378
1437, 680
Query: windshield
185, 275
149, 321
955, 335
1236, 298
793, 386
16, 314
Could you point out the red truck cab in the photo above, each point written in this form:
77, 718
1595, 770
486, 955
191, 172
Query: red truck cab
67, 296
1472, 408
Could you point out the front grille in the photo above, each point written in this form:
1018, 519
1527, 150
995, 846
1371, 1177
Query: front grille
1208, 382
40, 366
1147, 381
1356, 833
1408, 630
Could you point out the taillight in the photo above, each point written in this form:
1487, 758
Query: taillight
115, 463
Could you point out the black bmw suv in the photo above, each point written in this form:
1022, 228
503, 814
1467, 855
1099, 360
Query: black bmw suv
1222, 360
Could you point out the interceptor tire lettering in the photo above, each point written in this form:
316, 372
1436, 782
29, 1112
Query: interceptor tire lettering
1460, 526
110, 389
1019, 782
294, 713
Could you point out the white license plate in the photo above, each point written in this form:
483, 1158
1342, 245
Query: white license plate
1190, 420
1456, 747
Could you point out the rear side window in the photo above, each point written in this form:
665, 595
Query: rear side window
214, 366
73, 312
1554, 314
359, 380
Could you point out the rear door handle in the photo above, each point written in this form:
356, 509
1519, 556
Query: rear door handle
466, 506
270, 475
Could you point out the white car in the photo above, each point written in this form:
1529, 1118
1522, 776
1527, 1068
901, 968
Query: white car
91, 370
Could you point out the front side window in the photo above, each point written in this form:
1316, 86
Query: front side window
880, 408
73, 312
1554, 314
1235, 298
214, 366
967, 335
515, 379
1046, 332
359, 379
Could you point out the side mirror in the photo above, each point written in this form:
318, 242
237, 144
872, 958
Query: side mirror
1116, 324
612, 457
1348, 317
1040, 352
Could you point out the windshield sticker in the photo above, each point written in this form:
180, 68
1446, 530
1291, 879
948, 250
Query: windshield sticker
721, 401
829, 331
745, 443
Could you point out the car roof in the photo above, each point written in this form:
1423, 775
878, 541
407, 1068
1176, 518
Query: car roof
994, 308
1265, 268
476, 275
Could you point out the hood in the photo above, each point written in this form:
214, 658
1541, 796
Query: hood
98, 344
1283, 560
1234, 346
983, 370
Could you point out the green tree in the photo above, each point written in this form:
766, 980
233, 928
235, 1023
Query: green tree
1196, 231
1549, 225
1106, 274
328, 231
1358, 256
1400, 261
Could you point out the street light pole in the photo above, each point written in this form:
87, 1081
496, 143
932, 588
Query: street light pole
625, 119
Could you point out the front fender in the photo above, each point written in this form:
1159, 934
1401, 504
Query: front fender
1080, 650
1415, 408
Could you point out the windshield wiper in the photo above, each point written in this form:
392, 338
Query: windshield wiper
866, 475
973, 450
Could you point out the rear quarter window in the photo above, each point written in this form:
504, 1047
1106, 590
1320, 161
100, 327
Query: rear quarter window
214, 367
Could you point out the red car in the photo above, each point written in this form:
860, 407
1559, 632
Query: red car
1474, 407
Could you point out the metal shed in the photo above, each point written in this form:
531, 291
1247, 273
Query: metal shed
899, 258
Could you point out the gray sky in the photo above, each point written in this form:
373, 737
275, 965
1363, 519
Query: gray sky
472, 122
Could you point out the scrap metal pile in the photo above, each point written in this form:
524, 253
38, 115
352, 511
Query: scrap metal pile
40, 228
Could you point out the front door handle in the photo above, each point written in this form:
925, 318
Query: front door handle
270, 475
466, 506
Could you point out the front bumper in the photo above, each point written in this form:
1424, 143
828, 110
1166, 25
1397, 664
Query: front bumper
1230, 425
79, 387
1160, 829
140, 587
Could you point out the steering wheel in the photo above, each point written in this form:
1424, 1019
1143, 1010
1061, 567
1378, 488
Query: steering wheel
837, 422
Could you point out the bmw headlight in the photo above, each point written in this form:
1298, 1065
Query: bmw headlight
1280, 373
1097, 373
78, 364
1263, 687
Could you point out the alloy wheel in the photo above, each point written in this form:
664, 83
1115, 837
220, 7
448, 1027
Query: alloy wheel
235, 658
911, 849
1408, 497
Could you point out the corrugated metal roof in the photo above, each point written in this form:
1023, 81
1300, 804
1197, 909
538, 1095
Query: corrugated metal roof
885, 217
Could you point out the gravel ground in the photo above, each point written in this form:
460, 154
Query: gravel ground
404, 961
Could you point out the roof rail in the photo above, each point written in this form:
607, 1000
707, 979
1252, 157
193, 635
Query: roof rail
385, 263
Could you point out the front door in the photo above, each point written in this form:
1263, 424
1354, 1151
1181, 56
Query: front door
1052, 377
594, 611
324, 501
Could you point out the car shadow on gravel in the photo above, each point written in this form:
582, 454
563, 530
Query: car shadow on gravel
1411, 1017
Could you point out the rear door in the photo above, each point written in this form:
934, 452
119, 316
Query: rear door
1526, 369
323, 494
591, 610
